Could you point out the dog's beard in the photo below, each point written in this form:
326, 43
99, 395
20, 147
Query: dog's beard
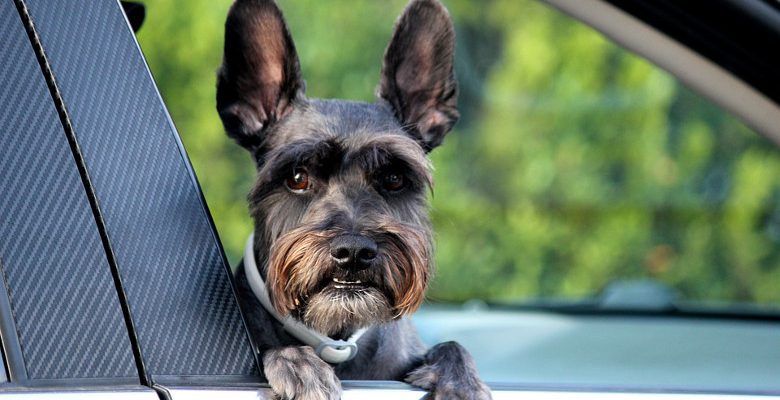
301, 276
334, 311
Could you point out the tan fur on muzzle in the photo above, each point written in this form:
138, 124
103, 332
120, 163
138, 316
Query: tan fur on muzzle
300, 260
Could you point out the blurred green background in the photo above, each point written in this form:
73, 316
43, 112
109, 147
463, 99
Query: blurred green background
575, 164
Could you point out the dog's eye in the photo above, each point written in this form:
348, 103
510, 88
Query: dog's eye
393, 181
298, 182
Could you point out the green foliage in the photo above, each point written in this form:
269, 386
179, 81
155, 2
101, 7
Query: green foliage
576, 163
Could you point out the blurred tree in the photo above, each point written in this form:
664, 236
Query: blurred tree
575, 164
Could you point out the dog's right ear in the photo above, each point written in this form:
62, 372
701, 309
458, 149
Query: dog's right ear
418, 79
260, 78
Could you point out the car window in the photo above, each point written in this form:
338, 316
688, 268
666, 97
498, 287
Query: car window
580, 176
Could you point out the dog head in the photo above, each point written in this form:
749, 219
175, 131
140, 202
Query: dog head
340, 201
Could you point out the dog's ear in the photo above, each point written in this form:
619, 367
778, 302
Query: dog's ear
418, 79
260, 79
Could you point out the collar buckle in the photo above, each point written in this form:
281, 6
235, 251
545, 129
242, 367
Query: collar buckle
337, 349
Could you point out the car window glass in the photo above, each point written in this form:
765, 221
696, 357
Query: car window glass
579, 165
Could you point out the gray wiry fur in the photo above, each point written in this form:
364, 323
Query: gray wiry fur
331, 172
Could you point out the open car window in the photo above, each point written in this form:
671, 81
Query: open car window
581, 182
576, 163
600, 227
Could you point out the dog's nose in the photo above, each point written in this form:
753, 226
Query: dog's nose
355, 252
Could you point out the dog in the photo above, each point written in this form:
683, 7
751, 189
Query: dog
342, 247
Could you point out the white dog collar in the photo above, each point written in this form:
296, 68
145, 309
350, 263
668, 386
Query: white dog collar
330, 350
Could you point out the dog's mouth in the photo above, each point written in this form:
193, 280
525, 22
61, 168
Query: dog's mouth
345, 284
339, 281
344, 288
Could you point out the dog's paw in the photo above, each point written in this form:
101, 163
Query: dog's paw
298, 373
448, 372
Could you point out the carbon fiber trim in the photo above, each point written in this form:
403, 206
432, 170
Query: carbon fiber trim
67, 317
175, 275
5, 308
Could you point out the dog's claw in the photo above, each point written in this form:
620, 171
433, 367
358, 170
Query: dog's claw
448, 372
298, 373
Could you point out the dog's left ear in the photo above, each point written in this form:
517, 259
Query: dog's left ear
260, 79
418, 79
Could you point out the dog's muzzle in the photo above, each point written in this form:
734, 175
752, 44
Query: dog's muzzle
330, 350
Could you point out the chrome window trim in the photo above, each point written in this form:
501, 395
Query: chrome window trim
695, 71
140, 393
403, 392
